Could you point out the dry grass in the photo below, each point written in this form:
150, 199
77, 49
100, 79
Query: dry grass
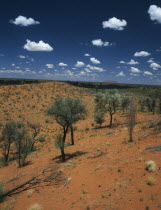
140, 159
35, 206
30, 192
150, 166
150, 180
9, 205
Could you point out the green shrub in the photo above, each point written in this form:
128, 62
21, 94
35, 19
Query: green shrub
41, 138
107, 102
23, 143
67, 112
99, 118
6, 140
131, 120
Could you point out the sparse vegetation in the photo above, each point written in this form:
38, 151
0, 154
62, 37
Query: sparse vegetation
150, 180
30, 193
131, 120
103, 155
150, 166
23, 143
125, 101
7, 138
36, 130
35, 206
1, 190
67, 112
107, 102
99, 118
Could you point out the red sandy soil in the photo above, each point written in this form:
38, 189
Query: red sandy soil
109, 173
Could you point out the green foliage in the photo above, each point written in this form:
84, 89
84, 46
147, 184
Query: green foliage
2, 161
99, 118
107, 102
7, 138
67, 111
59, 141
36, 130
1, 191
151, 103
23, 143
142, 104
131, 119
125, 101
41, 138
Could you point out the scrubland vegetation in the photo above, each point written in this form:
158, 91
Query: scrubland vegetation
56, 132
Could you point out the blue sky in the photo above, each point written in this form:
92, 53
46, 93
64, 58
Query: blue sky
87, 40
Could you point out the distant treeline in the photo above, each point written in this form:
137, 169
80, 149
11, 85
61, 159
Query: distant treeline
92, 85
104, 85
5, 81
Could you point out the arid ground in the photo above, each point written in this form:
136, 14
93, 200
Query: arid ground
102, 171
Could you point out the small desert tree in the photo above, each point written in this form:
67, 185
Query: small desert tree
8, 133
151, 103
22, 142
142, 103
131, 120
125, 101
99, 118
153, 99
60, 144
107, 102
36, 130
67, 112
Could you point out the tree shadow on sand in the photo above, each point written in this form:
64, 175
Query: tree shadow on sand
69, 156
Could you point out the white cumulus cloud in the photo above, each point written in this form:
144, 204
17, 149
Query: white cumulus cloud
95, 68
132, 62
22, 56
95, 61
79, 64
114, 23
142, 54
148, 73
11, 71
23, 21
87, 55
122, 61
69, 73
100, 43
120, 74
40, 46
62, 64
135, 70
150, 60
155, 13
155, 66
49, 66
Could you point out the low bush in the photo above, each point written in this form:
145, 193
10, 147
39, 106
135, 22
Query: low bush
150, 166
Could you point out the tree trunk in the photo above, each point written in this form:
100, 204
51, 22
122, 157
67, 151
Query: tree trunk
72, 135
130, 132
123, 109
32, 146
7, 155
65, 133
7, 152
62, 154
62, 146
19, 156
110, 120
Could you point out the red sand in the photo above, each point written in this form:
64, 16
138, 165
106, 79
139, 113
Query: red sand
109, 175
